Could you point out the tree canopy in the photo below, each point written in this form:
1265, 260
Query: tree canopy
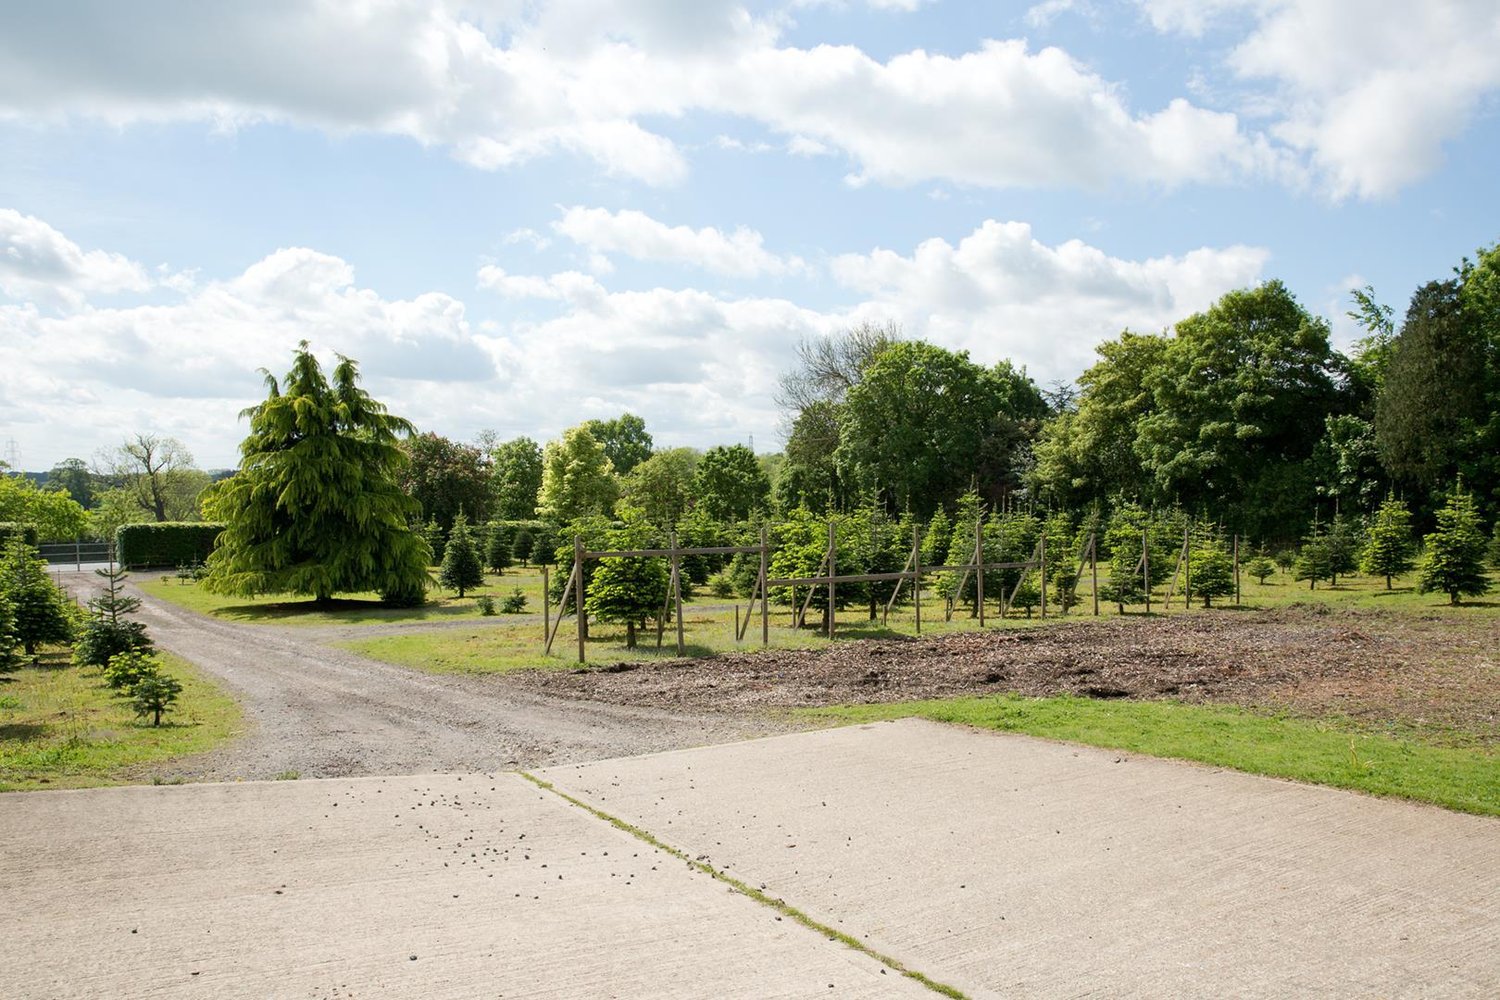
317, 506
578, 479
446, 477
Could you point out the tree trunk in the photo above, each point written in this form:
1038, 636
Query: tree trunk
630, 635
1388, 581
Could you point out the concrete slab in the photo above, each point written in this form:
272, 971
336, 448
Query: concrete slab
436, 886
1005, 865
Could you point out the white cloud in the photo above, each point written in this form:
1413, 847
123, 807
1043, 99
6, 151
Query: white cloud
1002, 293
521, 81
84, 378
40, 264
739, 254
1369, 90
701, 368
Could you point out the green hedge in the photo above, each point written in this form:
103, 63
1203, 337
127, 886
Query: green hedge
170, 543
9, 529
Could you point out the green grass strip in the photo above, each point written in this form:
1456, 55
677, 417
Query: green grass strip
1464, 779
779, 905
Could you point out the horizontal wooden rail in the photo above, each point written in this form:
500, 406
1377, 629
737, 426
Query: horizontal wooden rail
711, 550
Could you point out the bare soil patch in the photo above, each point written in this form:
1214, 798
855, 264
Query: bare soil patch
1432, 676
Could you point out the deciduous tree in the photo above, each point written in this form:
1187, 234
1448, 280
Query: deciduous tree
578, 479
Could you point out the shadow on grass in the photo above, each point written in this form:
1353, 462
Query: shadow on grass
21, 731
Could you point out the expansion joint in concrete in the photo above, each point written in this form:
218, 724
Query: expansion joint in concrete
781, 906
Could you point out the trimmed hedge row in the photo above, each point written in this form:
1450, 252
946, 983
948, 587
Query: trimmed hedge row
9, 529
169, 543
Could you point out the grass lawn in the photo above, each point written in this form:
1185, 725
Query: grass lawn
347, 609
61, 727
1466, 780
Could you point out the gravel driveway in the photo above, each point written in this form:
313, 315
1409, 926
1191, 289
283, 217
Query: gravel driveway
319, 711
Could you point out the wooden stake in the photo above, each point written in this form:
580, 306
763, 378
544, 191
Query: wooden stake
1146, 566
1094, 567
1236, 570
1043, 571
765, 611
979, 571
677, 592
832, 572
916, 580
546, 608
583, 623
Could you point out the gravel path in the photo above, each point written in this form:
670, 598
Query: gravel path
318, 711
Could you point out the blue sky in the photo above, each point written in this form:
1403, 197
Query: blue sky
519, 215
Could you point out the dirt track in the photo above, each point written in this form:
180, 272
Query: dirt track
1426, 674
318, 711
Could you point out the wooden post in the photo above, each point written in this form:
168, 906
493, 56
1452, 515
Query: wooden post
737, 621
765, 597
1094, 567
1187, 569
832, 572
916, 579
1146, 566
1043, 571
583, 624
979, 570
677, 591
546, 606
1236, 570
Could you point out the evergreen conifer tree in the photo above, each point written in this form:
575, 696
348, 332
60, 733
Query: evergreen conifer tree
107, 631
1213, 573
631, 589
461, 569
1389, 550
1313, 561
521, 548
9, 643
1342, 546
41, 611
497, 551
317, 506
1260, 567
1454, 561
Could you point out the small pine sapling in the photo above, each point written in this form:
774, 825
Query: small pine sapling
9, 644
521, 548
1260, 567
154, 696
1285, 559
1389, 550
1027, 595
107, 631
125, 670
1342, 545
1213, 573
513, 603
1313, 561
42, 613
497, 554
486, 604
432, 534
628, 591
461, 570
1454, 562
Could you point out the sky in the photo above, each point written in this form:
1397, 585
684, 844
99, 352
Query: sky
516, 215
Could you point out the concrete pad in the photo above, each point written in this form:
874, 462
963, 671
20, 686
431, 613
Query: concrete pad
1005, 865
435, 886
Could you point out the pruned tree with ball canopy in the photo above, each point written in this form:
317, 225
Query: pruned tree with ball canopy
316, 507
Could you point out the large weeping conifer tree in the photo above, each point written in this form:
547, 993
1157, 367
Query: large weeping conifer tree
316, 507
